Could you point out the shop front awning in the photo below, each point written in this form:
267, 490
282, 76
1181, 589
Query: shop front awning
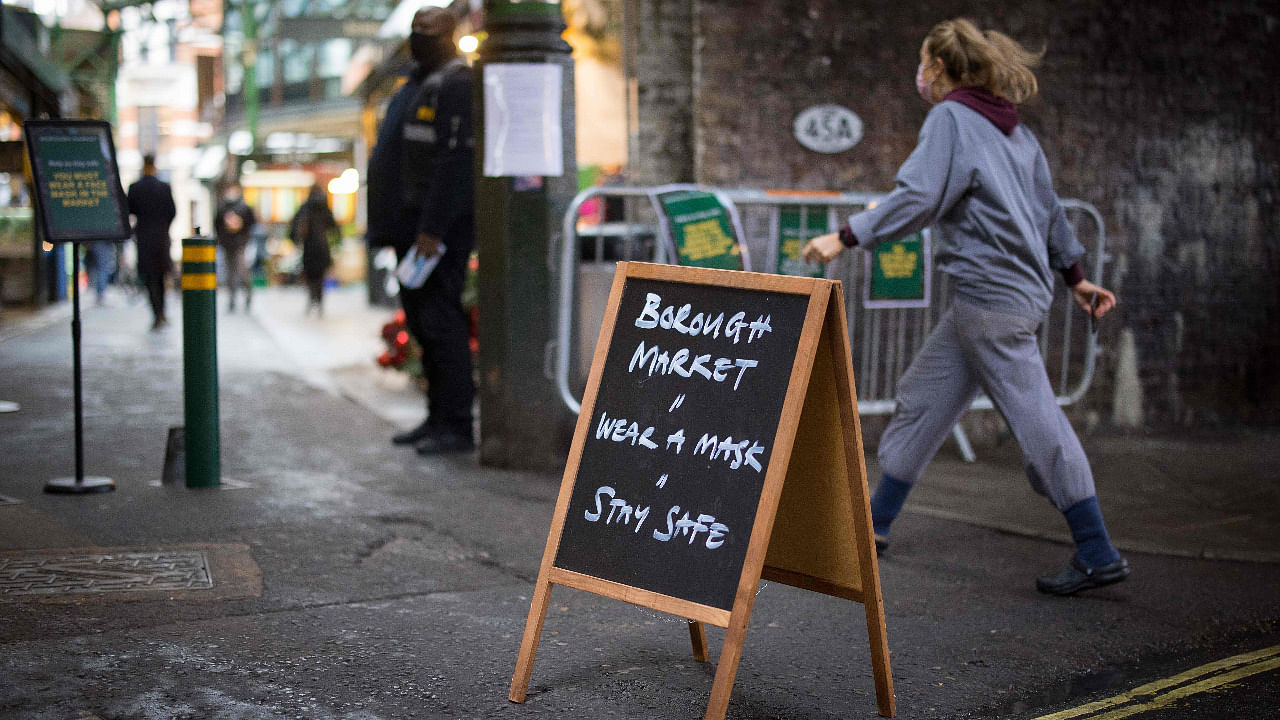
30, 84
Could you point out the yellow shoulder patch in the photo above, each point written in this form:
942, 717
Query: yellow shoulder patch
427, 113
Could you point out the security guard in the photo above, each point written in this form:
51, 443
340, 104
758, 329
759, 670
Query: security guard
421, 194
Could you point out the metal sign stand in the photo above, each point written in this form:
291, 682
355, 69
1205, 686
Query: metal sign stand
78, 485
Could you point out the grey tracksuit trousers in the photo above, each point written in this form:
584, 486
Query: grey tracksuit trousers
971, 349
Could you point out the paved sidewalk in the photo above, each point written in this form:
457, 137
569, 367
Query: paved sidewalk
1212, 495
334, 576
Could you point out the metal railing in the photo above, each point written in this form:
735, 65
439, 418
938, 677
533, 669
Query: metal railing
884, 339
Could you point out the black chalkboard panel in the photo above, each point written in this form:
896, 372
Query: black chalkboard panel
680, 437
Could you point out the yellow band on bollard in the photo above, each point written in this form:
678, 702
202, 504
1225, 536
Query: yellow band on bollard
200, 253
199, 281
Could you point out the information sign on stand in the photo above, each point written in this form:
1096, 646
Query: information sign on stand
77, 182
718, 444
78, 199
701, 229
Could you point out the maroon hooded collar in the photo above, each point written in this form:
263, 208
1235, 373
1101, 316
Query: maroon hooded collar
1002, 113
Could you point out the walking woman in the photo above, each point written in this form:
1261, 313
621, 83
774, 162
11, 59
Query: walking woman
980, 179
311, 229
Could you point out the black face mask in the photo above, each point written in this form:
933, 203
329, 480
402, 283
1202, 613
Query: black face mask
431, 51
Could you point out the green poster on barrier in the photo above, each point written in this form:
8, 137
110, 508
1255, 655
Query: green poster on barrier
796, 226
701, 229
78, 192
898, 273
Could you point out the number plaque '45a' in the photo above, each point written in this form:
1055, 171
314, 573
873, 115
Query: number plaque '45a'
828, 128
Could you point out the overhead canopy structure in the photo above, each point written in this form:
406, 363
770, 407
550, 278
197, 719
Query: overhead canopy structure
30, 85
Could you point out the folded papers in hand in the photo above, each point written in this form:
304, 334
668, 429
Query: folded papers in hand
415, 268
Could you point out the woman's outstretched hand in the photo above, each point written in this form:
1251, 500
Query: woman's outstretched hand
823, 249
1084, 292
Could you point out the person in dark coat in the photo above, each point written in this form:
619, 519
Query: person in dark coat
311, 229
151, 204
420, 179
233, 225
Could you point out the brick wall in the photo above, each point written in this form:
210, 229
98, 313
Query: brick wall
659, 37
1163, 115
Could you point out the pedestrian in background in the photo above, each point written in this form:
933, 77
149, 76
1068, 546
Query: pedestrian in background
101, 263
979, 177
420, 195
311, 229
151, 205
233, 226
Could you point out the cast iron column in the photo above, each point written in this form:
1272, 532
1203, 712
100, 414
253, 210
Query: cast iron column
523, 423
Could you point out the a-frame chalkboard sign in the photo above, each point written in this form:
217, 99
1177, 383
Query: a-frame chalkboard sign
718, 444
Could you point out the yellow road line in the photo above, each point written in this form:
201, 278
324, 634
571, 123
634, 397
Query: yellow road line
1182, 692
1173, 688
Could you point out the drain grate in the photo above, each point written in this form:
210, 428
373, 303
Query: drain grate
117, 572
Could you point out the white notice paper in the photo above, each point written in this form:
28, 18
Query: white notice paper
414, 268
522, 131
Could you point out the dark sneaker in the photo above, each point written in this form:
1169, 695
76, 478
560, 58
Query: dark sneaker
1077, 576
882, 543
414, 436
445, 443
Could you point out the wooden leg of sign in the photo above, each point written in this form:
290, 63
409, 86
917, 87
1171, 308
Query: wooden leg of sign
727, 670
529, 645
871, 600
886, 704
698, 634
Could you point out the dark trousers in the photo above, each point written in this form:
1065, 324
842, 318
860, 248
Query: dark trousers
154, 282
315, 289
436, 319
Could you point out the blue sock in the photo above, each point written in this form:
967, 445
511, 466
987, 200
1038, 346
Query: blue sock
887, 502
1090, 533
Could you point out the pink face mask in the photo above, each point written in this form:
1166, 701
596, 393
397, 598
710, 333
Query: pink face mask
922, 87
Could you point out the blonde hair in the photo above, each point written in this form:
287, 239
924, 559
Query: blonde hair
986, 58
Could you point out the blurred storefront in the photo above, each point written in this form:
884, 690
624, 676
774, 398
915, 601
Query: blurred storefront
30, 86
288, 121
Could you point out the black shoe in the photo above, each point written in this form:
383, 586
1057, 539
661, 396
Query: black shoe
882, 543
414, 436
445, 443
1077, 576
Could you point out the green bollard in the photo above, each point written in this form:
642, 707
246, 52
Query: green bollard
200, 361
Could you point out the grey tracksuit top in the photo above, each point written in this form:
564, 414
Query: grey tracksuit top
999, 228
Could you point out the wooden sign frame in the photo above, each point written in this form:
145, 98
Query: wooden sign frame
812, 527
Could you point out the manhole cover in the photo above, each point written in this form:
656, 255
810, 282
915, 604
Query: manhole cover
118, 572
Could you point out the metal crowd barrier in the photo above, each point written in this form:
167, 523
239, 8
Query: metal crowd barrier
884, 339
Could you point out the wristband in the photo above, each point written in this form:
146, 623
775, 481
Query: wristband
847, 237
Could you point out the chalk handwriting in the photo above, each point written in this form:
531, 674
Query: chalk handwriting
685, 526
735, 453
618, 430
676, 438
662, 362
684, 320
620, 511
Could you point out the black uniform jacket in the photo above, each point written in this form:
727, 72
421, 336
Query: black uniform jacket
421, 175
